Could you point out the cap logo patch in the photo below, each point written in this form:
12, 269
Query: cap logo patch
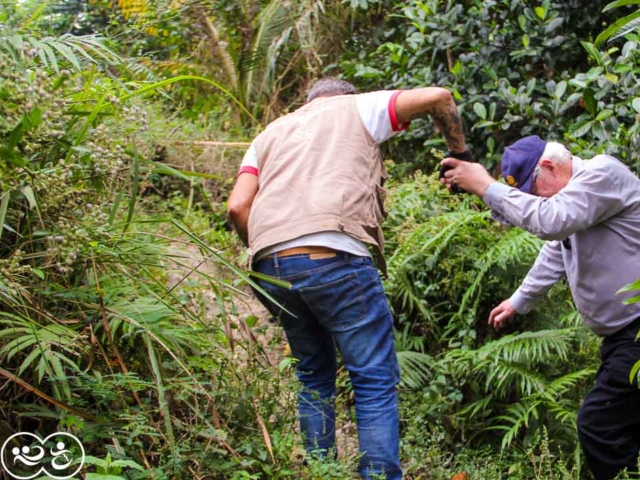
511, 181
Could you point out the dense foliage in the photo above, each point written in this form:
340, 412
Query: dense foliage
125, 316
515, 69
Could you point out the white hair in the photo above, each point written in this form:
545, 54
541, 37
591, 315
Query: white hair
554, 151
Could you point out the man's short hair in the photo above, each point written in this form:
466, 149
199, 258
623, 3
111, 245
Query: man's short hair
330, 87
556, 152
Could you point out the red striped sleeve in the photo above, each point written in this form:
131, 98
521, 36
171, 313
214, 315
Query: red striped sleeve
246, 169
392, 113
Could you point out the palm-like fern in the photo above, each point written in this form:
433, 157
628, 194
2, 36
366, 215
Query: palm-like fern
511, 367
71, 50
47, 349
454, 256
509, 364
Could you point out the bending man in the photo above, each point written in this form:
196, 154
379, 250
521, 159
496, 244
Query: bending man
589, 213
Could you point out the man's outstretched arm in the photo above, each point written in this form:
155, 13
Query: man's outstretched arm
438, 103
546, 271
239, 204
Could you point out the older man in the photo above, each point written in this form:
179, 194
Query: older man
308, 201
589, 213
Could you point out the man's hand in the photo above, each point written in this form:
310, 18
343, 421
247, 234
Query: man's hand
471, 177
501, 315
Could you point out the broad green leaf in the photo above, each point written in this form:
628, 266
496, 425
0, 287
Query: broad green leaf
17, 133
628, 28
490, 72
631, 300
634, 372
251, 321
522, 21
368, 72
541, 12
612, 78
100, 462
604, 114
620, 3
622, 68
127, 463
560, 89
590, 101
526, 40
616, 26
578, 83
636, 104
491, 144
457, 68
27, 191
591, 50
630, 287
580, 129
480, 110
483, 124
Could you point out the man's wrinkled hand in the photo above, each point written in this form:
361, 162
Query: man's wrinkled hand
472, 177
502, 315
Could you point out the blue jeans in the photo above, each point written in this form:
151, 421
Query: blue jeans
339, 302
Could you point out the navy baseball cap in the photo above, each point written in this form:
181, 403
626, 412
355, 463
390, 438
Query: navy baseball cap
519, 161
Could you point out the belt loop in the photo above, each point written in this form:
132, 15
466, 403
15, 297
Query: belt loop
275, 260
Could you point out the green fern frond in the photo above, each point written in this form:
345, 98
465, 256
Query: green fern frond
569, 381
529, 347
516, 418
272, 23
72, 50
415, 369
502, 376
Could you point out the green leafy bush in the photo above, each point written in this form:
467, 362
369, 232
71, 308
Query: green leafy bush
514, 68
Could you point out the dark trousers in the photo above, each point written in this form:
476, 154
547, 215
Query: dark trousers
609, 419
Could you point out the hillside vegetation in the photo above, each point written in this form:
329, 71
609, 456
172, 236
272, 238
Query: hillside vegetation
126, 316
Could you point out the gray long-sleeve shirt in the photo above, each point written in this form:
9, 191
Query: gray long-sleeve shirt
593, 231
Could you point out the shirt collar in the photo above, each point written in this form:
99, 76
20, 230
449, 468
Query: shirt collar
577, 165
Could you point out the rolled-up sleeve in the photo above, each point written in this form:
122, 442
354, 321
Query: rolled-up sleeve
589, 198
546, 271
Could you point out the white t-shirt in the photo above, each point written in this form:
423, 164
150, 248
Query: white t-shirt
378, 113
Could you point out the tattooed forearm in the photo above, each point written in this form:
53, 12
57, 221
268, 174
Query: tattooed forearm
448, 121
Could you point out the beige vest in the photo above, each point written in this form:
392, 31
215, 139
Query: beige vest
319, 170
